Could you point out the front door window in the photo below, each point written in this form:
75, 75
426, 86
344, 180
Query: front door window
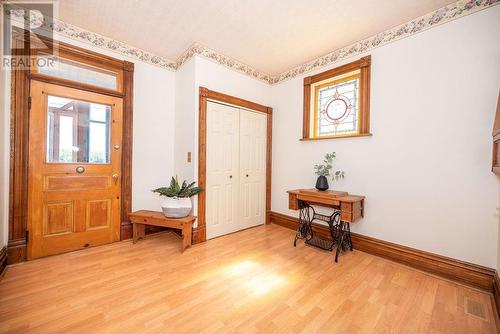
77, 131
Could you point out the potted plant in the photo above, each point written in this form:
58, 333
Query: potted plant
323, 171
177, 203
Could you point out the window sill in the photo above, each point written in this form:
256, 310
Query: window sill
338, 137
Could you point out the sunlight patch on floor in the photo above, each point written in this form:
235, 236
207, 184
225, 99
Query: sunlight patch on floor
254, 278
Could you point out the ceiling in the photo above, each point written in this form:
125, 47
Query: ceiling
270, 36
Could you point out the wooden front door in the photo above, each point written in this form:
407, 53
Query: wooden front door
75, 140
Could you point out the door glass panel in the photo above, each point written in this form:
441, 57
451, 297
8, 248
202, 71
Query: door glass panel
70, 70
77, 131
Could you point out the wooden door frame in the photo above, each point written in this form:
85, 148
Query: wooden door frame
19, 129
205, 94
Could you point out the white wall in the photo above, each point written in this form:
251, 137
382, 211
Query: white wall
154, 120
216, 77
185, 120
426, 172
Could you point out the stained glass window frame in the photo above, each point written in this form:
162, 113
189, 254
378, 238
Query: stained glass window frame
336, 81
310, 110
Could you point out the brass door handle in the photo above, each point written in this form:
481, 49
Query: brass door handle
80, 169
115, 177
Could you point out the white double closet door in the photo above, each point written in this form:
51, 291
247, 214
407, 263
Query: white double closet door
235, 170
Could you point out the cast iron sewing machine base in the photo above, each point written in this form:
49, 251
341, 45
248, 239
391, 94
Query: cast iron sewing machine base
340, 232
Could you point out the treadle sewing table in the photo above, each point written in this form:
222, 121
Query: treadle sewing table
347, 209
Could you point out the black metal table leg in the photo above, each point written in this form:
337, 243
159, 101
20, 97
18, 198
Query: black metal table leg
344, 241
340, 241
304, 228
340, 231
349, 235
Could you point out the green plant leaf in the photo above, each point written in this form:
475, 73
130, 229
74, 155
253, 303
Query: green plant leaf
176, 190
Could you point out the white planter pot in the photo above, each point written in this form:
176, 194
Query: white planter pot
174, 207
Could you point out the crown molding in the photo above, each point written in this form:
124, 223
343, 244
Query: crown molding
440, 16
221, 59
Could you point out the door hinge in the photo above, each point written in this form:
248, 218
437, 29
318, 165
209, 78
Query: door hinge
29, 102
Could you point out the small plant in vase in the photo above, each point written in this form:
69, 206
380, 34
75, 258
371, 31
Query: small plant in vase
324, 170
177, 203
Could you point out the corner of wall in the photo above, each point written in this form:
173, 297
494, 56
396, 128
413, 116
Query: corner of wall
184, 132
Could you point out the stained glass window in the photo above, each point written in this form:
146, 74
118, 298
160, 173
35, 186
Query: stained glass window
336, 109
337, 102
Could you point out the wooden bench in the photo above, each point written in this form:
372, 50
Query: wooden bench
141, 218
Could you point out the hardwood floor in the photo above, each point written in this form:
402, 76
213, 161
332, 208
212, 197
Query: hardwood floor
247, 282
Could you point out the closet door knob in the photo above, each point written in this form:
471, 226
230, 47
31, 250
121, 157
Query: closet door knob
230, 176
247, 175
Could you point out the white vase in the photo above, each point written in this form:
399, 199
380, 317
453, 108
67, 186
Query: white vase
176, 207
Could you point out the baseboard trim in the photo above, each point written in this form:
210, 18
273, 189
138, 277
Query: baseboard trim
194, 236
16, 251
125, 230
3, 259
459, 271
496, 292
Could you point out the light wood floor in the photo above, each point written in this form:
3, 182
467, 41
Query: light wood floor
251, 281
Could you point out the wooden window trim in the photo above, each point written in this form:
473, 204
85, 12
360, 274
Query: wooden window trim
199, 234
82, 56
364, 66
19, 129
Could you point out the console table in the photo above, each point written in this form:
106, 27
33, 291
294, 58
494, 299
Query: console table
347, 209
141, 218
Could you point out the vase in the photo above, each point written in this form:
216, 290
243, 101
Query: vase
176, 207
322, 183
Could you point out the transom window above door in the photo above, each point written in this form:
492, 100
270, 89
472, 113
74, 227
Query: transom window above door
337, 102
74, 71
75, 67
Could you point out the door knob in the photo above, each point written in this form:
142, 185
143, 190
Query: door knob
230, 176
80, 169
116, 147
247, 175
115, 177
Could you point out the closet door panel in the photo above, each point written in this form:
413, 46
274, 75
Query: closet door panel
222, 169
253, 132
